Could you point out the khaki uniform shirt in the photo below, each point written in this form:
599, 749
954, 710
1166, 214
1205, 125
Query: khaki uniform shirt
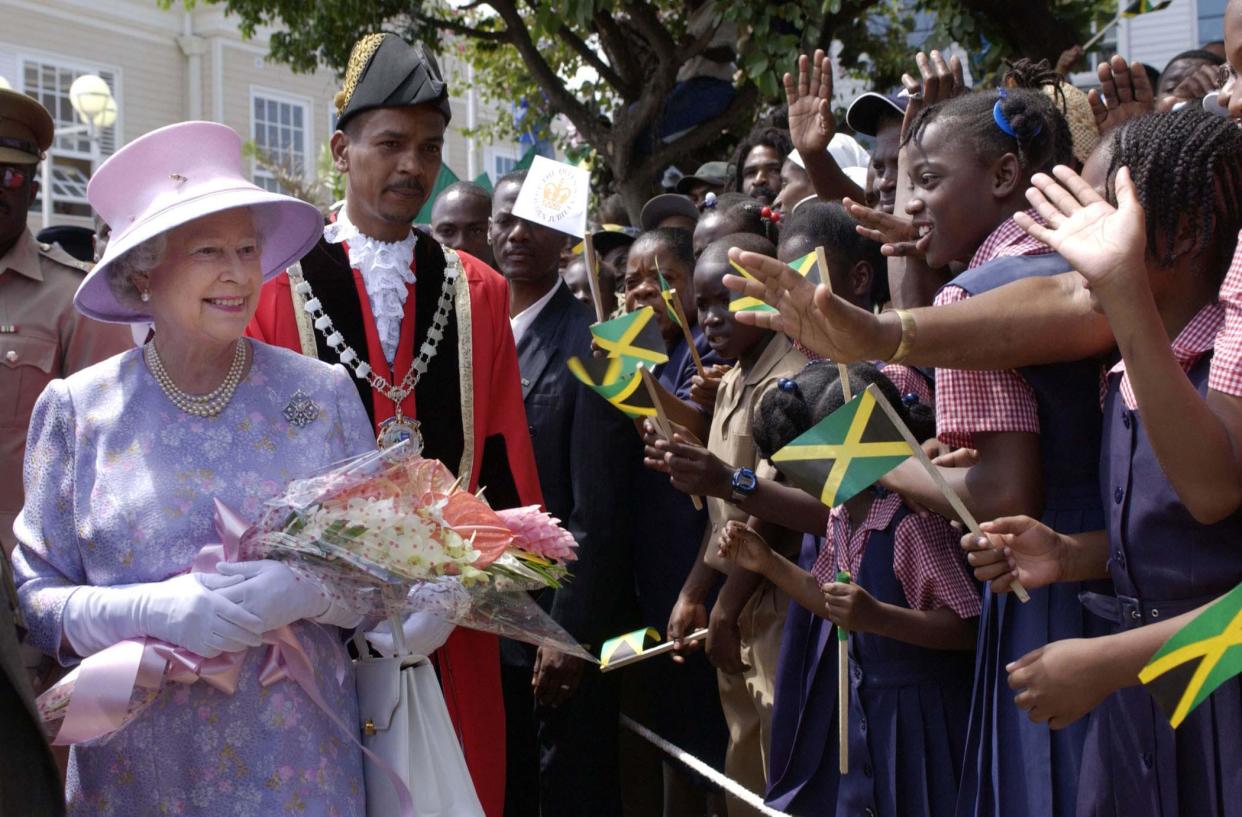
42, 338
730, 438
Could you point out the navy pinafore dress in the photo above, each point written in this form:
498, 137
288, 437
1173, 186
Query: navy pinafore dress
1163, 563
1013, 767
908, 709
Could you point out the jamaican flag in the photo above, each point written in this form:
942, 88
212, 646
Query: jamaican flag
1134, 8
625, 646
1201, 656
807, 266
617, 380
634, 337
845, 452
666, 292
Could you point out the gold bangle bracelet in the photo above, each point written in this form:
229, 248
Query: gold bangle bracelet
909, 330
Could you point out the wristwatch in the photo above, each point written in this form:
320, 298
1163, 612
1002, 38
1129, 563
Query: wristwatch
743, 484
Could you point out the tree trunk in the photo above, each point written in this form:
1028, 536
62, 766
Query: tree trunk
635, 191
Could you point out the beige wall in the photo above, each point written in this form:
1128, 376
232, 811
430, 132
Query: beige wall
147, 48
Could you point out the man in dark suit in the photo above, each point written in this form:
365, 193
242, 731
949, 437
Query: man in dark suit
556, 704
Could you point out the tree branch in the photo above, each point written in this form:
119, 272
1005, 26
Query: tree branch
653, 31
462, 29
588, 54
616, 47
588, 124
667, 153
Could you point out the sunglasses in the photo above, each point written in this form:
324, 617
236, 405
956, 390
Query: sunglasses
12, 178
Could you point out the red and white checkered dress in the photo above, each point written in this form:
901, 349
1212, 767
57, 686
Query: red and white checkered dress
971, 402
908, 381
1193, 342
926, 557
1226, 374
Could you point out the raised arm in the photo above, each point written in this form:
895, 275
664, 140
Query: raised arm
811, 126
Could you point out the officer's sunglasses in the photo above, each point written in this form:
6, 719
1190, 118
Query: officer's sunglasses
12, 178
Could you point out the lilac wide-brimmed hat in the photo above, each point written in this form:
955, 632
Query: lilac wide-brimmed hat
175, 175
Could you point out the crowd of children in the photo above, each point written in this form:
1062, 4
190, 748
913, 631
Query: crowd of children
1086, 453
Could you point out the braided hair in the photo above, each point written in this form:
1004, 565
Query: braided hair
797, 403
1186, 165
1040, 137
742, 214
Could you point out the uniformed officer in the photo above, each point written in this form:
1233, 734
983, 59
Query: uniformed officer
42, 337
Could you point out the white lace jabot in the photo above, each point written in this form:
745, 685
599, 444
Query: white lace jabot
385, 269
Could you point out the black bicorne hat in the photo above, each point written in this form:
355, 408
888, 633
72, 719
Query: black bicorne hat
385, 71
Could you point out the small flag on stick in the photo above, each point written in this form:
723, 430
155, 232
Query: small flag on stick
807, 266
1197, 659
635, 337
555, 195
845, 452
1136, 7
617, 380
632, 647
669, 296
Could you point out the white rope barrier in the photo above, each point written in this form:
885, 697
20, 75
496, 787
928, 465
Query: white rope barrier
730, 786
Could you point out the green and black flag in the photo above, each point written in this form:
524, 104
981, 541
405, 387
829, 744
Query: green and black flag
666, 292
845, 452
634, 337
807, 266
626, 646
1134, 8
1201, 656
617, 380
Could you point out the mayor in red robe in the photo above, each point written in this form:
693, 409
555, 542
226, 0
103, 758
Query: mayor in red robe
468, 403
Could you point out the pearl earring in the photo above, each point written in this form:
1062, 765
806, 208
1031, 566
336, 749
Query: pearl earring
145, 296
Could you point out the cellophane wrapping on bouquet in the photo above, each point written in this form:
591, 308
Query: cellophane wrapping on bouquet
383, 535
390, 533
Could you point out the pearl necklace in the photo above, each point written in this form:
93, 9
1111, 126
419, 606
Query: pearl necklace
396, 428
199, 405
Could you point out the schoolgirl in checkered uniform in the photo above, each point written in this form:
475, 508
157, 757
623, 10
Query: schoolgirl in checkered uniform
1036, 431
911, 612
1164, 559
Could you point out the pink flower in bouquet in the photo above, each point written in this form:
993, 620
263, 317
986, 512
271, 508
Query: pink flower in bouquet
540, 533
470, 516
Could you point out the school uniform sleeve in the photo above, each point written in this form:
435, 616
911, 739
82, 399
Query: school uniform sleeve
908, 381
928, 563
972, 402
1226, 373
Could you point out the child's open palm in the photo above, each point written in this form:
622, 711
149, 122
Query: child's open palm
1106, 244
811, 124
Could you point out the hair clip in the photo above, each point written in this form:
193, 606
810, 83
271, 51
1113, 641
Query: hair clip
910, 399
768, 214
709, 201
788, 385
1003, 123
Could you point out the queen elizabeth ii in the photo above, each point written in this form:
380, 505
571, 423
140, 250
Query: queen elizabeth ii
123, 463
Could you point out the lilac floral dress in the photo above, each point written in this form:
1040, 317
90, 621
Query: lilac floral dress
119, 490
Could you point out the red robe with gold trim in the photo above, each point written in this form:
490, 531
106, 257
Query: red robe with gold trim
471, 415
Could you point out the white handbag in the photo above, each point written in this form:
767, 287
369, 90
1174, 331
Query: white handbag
405, 722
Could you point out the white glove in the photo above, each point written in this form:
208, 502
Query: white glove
269, 590
180, 610
424, 633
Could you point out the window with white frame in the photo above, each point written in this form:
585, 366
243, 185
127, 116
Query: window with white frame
503, 161
278, 126
73, 155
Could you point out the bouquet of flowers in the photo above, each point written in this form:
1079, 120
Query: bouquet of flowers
383, 535
369, 530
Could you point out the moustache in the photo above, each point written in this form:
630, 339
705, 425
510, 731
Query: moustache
410, 185
762, 191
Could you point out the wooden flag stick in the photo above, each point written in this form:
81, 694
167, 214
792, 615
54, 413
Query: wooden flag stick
843, 690
954, 500
821, 260
685, 331
660, 649
665, 427
592, 265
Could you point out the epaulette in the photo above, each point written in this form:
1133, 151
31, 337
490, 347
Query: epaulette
55, 253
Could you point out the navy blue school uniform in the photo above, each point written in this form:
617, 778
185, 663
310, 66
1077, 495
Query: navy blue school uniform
1013, 767
908, 704
684, 706
1163, 564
